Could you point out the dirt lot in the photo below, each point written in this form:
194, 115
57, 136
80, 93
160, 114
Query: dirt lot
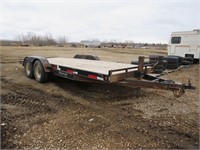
68, 114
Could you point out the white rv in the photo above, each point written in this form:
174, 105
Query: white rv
185, 44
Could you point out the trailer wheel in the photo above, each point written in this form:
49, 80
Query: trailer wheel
39, 73
28, 67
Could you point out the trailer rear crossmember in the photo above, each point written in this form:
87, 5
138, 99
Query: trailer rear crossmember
100, 72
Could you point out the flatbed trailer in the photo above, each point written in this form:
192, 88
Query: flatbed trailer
99, 71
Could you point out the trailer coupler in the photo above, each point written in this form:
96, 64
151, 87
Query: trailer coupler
181, 90
178, 89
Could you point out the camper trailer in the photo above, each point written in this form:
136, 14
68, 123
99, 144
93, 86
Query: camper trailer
185, 44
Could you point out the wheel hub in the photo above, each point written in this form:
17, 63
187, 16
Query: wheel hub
37, 71
28, 70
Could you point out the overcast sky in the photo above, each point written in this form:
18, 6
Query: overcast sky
139, 21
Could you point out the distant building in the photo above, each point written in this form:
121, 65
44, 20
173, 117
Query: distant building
93, 43
138, 45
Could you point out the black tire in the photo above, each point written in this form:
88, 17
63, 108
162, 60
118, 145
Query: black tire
159, 62
39, 72
164, 64
172, 66
159, 66
156, 59
171, 60
28, 67
185, 62
158, 71
180, 58
196, 61
89, 57
190, 59
152, 61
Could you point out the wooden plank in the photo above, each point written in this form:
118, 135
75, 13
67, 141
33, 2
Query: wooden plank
101, 67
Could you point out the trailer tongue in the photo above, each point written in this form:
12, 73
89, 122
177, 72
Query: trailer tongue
99, 71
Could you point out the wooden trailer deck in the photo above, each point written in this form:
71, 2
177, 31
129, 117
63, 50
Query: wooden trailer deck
100, 67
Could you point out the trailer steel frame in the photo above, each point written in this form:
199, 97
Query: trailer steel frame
134, 76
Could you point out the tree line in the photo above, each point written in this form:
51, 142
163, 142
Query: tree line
41, 40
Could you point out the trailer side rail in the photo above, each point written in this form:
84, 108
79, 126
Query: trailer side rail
113, 75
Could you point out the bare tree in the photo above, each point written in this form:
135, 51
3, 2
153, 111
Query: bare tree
129, 41
31, 38
62, 40
48, 39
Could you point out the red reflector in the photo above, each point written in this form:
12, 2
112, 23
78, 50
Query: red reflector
105, 78
92, 76
69, 71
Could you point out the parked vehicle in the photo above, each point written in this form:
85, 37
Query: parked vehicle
185, 44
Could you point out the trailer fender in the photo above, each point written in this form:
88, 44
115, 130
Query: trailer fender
43, 60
